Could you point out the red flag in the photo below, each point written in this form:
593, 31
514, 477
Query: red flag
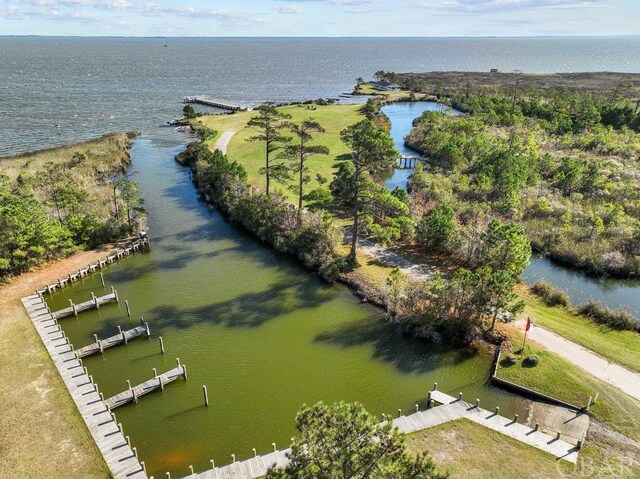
528, 324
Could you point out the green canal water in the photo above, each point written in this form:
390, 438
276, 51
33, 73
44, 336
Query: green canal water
263, 334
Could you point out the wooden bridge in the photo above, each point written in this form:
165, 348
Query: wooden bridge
158, 382
123, 337
409, 161
130, 247
209, 101
94, 303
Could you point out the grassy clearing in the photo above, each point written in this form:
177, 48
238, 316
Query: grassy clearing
105, 155
389, 96
558, 378
333, 118
622, 347
471, 451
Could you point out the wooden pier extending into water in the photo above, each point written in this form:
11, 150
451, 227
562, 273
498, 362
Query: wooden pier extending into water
94, 303
209, 101
106, 432
157, 383
123, 337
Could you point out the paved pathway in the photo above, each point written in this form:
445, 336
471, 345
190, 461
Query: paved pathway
614, 374
223, 141
611, 373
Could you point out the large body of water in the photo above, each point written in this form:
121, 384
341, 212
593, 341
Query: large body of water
91, 86
264, 335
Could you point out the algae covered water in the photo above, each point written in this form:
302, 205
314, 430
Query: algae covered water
264, 335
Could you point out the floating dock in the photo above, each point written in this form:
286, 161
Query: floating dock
133, 393
123, 337
209, 101
94, 303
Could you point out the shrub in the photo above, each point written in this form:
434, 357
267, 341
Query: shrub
621, 320
549, 294
509, 360
531, 361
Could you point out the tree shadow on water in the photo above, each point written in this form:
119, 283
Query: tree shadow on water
408, 354
248, 310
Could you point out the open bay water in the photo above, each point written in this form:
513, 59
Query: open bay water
262, 333
92, 86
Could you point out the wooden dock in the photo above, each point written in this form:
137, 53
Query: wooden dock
94, 303
123, 337
209, 101
106, 433
451, 409
159, 382
554, 445
129, 248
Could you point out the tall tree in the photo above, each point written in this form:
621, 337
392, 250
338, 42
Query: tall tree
371, 149
344, 441
301, 151
269, 124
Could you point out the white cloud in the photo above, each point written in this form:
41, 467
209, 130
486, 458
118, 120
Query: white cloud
293, 8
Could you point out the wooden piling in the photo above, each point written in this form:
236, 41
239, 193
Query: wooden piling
206, 396
126, 303
161, 345
102, 279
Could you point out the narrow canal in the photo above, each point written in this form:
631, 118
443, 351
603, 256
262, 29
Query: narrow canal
263, 334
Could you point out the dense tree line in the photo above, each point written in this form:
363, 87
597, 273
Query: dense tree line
574, 190
311, 237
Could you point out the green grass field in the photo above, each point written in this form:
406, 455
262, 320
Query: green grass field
470, 451
333, 118
622, 347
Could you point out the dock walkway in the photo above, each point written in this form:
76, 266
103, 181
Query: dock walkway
209, 101
94, 303
115, 449
123, 337
129, 248
451, 409
132, 394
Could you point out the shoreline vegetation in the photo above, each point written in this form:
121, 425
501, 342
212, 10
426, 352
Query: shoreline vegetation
502, 246
558, 154
58, 201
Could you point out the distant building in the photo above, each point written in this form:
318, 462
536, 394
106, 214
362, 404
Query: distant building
494, 70
385, 85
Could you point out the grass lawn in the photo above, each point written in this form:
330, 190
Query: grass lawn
558, 378
333, 118
470, 451
622, 347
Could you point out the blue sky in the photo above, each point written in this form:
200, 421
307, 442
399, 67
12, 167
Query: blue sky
320, 17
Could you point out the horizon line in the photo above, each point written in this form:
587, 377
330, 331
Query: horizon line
634, 35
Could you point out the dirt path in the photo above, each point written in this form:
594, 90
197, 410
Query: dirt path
223, 141
41, 432
611, 373
386, 257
